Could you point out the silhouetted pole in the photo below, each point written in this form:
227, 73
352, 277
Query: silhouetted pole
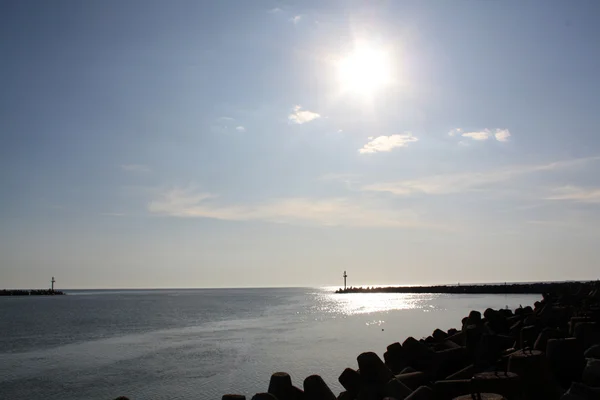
345, 276
52, 282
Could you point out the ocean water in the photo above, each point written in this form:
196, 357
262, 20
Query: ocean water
201, 344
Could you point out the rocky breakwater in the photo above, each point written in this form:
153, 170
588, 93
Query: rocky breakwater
33, 292
548, 351
512, 288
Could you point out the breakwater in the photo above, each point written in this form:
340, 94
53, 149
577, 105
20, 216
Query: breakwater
513, 288
32, 292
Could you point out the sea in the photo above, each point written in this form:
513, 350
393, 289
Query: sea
202, 343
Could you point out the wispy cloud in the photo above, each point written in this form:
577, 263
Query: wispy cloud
296, 19
300, 116
240, 129
468, 181
576, 193
305, 211
500, 135
136, 168
386, 143
274, 10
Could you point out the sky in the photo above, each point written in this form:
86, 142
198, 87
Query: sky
151, 144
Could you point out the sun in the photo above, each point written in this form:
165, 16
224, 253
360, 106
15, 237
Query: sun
365, 71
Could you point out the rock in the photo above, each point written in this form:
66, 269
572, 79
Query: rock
350, 380
407, 370
422, 393
465, 373
264, 396
280, 386
565, 359
225, 397
579, 391
591, 373
297, 393
515, 329
458, 338
496, 321
396, 389
481, 396
474, 318
370, 392
394, 357
417, 354
532, 368
490, 349
439, 335
544, 336
473, 336
528, 336
587, 333
449, 389
574, 321
372, 369
445, 345
345, 396
447, 362
593, 352
315, 388
507, 384
413, 379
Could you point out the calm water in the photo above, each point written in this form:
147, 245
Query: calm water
200, 344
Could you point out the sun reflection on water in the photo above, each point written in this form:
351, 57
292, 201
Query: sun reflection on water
364, 303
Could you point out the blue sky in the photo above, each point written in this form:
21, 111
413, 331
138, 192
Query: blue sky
220, 144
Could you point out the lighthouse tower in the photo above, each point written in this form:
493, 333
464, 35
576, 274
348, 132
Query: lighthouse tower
345, 276
52, 284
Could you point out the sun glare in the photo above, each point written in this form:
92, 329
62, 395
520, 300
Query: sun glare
365, 70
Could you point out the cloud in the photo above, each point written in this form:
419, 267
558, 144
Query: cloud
240, 129
468, 181
274, 10
136, 168
299, 116
576, 194
481, 135
386, 143
500, 135
296, 19
455, 132
189, 203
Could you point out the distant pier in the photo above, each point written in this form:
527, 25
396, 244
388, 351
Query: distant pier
33, 292
514, 288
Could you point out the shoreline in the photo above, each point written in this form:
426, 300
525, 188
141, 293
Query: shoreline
549, 350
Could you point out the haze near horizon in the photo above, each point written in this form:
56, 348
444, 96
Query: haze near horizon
264, 143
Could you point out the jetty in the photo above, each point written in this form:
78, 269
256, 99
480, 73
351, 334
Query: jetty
33, 292
506, 288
